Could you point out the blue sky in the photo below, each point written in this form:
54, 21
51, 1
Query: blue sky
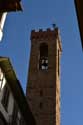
16, 45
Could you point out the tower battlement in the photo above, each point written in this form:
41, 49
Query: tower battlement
48, 34
44, 33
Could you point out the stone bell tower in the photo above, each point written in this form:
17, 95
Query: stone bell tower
43, 86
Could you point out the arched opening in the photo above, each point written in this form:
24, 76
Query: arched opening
43, 61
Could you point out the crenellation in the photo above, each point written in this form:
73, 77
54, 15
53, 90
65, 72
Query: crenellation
49, 30
47, 34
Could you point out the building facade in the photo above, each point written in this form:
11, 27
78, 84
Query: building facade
43, 86
14, 109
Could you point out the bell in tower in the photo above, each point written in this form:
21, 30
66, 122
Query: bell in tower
43, 61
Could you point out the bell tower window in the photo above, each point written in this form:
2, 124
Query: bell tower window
43, 61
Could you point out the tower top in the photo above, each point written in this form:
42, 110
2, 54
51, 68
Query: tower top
48, 34
44, 34
48, 29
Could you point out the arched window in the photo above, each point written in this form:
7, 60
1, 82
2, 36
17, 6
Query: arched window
43, 61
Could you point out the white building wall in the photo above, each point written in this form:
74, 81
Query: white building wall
2, 22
